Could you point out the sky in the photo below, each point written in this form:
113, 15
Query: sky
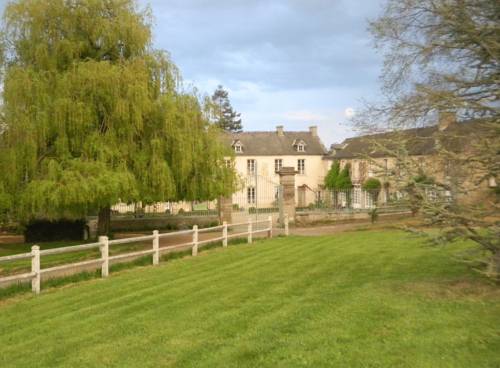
295, 63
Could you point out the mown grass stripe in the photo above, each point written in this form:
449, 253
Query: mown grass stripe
103, 287
342, 300
114, 304
120, 317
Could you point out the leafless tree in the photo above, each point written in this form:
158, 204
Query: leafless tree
442, 57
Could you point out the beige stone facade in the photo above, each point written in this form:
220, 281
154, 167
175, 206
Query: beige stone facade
466, 182
260, 155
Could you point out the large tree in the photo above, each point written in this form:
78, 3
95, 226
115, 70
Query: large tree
442, 57
94, 114
224, 115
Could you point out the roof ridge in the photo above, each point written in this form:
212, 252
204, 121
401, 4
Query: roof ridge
403, 131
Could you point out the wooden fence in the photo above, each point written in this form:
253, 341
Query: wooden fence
103, 244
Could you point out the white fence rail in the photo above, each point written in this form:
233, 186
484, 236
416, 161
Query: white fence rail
104, 243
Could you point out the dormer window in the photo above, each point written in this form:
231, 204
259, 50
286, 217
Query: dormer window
237, 146
299, 145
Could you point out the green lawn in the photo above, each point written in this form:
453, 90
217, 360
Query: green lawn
364, 299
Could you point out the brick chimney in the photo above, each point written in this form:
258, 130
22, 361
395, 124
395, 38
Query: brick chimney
446, 118
313, 130
279, 130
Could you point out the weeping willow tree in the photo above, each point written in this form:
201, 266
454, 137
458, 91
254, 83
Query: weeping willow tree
95, 115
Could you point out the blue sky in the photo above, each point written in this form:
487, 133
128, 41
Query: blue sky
285, 62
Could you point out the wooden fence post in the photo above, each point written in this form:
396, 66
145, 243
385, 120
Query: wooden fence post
286, 225
249, 230
104, 247
156, 248
195, 241
270, 231
35, 268
224, 234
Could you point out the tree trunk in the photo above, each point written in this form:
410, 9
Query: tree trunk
103, 221
494, 265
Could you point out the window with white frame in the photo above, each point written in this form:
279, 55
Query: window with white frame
301, 166
238, 147
342, 198
299, 145
251, 195
368, 199
227, 163
356, 200
278, 164
251, 167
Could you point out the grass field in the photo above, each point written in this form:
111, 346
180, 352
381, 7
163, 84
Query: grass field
363, 299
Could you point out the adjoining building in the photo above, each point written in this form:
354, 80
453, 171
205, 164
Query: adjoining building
373, 156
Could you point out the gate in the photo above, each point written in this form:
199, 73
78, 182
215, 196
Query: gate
258, 198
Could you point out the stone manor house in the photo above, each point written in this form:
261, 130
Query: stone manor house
260, 155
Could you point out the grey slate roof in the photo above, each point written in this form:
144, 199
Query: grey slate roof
418, 141
272, 144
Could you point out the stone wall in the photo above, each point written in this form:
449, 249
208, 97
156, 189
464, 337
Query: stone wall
313, 217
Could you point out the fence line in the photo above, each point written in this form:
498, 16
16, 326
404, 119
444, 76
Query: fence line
104, 243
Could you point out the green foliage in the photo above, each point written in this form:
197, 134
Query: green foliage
338, 179
332, 176
225, 117
5, 204
95, 115
344, 181
372, 184
423, 179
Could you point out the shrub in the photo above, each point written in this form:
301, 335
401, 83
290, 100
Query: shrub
423, 179
372, 186
338, 179
46, 230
